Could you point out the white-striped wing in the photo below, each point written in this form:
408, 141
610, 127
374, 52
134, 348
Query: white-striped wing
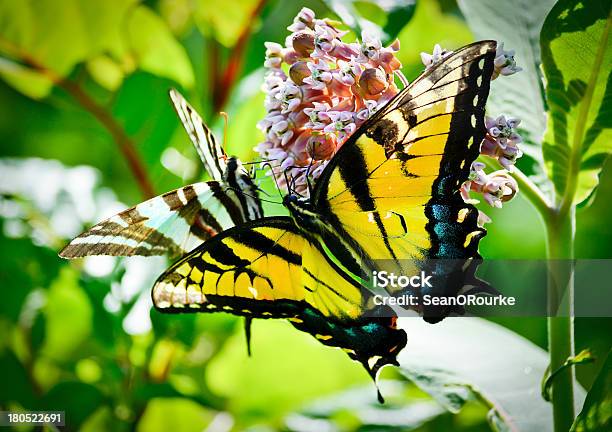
174, 223
178, 221
212, 154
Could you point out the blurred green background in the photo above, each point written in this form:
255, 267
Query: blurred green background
79, 336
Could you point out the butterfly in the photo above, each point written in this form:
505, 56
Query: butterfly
389, 198
180, 220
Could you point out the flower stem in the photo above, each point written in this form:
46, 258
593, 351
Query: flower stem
560, 249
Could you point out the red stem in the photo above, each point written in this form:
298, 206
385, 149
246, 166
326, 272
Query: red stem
121, 138
224, 86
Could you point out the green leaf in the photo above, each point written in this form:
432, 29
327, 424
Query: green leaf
498, 367
153, 121
288, 368
577, 63
359, 409
106, 72
225, 24
26, 266
596, 414
582, 357
16, 386
68, 316
56, 37
386, 19
175, 414
517, 24
25, 80
77, 399
428, 27
155, 49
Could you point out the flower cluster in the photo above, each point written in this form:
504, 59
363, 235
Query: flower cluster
319, 89
496, 188
504, 62
501, 141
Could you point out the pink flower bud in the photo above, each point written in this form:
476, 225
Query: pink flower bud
373, 81
321, 146
303, 43
298, 71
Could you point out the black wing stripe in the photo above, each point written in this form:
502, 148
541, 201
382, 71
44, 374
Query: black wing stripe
266, 245
232, 208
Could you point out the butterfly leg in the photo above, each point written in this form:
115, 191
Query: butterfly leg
248, 321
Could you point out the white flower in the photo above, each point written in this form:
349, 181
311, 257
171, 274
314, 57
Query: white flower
319, 75
501, 141
340, 121
346, 72
504, 62
437, 55
370, 108
317, 116
274, 55
303, 20
370, 47
290, 97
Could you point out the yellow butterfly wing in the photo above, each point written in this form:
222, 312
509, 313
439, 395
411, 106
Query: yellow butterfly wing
393, 188
262, 269
268, 269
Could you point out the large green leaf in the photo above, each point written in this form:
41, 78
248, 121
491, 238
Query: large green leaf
596, 414
577, 63
385, 18
517, 24
405, 408
462, 358
155, 49
56, 36
287, 369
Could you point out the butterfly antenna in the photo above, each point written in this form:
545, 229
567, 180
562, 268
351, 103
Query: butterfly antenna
293, 183
260, 161
310, 187
269, 165
225, 128
240, 191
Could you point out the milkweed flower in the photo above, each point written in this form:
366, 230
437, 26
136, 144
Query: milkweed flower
496, 188
504, 62
501, 140
319, 90
438, 54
